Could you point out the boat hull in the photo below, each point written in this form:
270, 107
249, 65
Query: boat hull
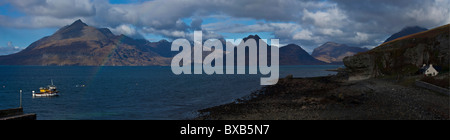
44, 94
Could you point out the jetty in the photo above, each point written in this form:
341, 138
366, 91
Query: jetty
16, 114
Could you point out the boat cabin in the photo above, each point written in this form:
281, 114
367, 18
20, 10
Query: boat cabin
48, 89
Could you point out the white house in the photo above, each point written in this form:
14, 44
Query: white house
429, 70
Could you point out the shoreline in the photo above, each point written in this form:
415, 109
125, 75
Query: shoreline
328, 98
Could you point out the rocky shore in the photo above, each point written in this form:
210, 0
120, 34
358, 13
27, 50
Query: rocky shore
377, 84
325, 98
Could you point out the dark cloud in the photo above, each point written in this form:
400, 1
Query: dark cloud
309, 23
395, 14
56, 8
196, 24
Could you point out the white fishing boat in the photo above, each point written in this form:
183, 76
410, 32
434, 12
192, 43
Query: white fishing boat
48, 91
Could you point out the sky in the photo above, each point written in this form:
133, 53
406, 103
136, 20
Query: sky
308, 23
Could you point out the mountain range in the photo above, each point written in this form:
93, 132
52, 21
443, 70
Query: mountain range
78, 44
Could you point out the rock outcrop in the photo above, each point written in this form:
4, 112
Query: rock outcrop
402, 56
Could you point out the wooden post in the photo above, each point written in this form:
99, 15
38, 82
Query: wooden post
20, 105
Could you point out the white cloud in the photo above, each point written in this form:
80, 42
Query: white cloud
165, 32
128, 30
360, 37
303, 35
9, 49
332, 17
330, 32
124, 29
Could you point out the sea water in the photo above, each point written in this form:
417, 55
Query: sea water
131, 93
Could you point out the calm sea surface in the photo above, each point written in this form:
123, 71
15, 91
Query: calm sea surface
135, 93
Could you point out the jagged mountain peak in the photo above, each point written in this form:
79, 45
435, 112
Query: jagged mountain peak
80, 30
406, 31
255, 37
78, 23
334, 44
293, 54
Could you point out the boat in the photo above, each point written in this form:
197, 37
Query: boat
48, 91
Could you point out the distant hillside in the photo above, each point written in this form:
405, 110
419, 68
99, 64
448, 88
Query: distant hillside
332, 52
406, 31
295, 55
403, 56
